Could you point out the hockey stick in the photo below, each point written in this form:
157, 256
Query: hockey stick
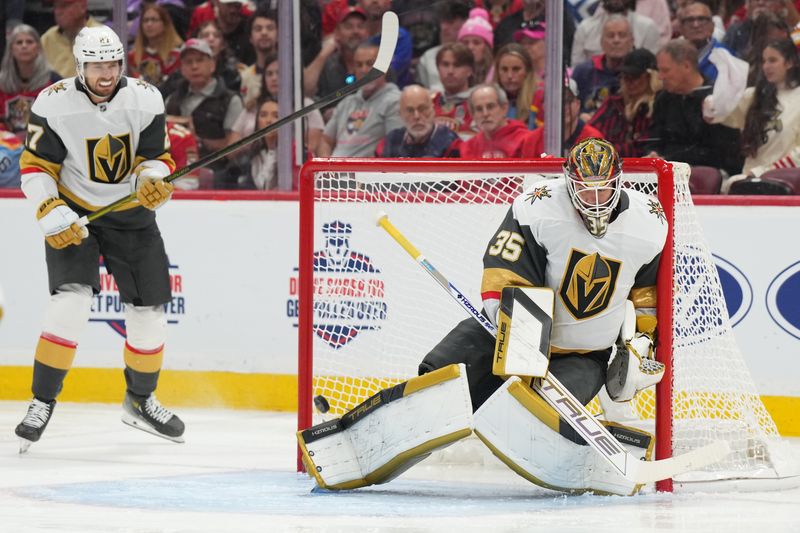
568, 407
389, 32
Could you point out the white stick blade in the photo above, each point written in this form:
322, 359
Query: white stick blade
651, 471
390, 29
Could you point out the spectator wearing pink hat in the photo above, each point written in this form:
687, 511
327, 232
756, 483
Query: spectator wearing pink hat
533, 13
532, 39
477, 34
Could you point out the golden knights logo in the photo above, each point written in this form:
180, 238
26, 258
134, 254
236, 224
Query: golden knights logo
109, 158
588, 283
56, 87
657, 210
538, 193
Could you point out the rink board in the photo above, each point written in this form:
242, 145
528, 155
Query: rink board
233, 334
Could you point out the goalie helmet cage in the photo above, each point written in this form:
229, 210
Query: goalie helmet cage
367, 314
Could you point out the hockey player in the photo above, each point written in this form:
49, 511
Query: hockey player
593, 245
93, 139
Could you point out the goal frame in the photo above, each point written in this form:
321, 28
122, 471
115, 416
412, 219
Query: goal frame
664, 288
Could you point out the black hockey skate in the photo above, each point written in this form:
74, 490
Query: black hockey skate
147, 414
32, 426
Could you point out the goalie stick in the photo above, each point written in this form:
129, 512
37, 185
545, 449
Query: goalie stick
390, 28
567, 406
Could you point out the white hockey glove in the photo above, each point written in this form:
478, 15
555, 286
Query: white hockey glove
59, 224
147, 181
633, 368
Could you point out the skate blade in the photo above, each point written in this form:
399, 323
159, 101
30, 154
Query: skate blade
138, 424
24, 444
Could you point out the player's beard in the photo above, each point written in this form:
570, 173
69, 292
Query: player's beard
102, 87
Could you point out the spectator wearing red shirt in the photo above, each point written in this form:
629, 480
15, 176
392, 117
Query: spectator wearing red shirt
156, 50
574, 129
498, 136
456, 67
24, 73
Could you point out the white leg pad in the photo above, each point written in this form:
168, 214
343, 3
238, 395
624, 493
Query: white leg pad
389, 432
146, 326
68, 311
522, 431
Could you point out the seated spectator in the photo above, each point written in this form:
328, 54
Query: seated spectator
70, 16
498, 136
183, 148
263, 154
533, 14
332, 67
678, 131
264, 87
769, 114
452, 14
456, 67
212, 108
532, 40
590, 30
156, 49
476, 34
177, 10
262, 28
599, 76
228, 67
718, 32
420, 136
738, 38
624, 118
231, 17
23, 74
499, 9
767, 27
401, 60
574, 129
697, 27
362, 119
11, 148
514, 73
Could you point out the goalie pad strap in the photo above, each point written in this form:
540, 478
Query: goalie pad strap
390, 431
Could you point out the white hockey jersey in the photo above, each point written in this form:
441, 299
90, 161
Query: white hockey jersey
91, 149
543, 242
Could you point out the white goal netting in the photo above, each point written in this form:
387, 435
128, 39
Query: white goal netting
376, 313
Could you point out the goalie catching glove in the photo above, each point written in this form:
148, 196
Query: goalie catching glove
148, 183
59, 224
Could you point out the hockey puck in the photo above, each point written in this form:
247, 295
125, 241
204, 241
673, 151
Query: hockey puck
321, 403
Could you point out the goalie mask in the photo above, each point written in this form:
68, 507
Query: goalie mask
97, 44
592, 171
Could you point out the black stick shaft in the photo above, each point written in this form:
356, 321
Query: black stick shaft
372, 75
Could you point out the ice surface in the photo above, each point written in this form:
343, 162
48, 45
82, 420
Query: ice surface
235, 473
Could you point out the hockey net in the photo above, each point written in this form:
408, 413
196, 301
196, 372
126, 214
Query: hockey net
368, 313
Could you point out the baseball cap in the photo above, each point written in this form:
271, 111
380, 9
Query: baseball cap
638, 61
350, 10
197, 44
231, 1
535, 31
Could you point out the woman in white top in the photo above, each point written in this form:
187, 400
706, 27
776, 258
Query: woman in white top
255, 89
769, 114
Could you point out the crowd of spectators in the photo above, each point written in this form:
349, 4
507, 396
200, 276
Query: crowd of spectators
713, 83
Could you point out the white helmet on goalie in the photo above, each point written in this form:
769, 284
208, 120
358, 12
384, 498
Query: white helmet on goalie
592, 171
97, 44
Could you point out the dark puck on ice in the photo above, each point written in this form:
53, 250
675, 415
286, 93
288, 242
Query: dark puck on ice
321, 404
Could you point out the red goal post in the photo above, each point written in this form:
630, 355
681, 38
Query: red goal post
348, 361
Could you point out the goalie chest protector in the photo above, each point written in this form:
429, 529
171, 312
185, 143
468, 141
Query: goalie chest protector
591, 277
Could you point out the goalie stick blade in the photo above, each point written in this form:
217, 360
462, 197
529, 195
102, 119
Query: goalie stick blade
651, 471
